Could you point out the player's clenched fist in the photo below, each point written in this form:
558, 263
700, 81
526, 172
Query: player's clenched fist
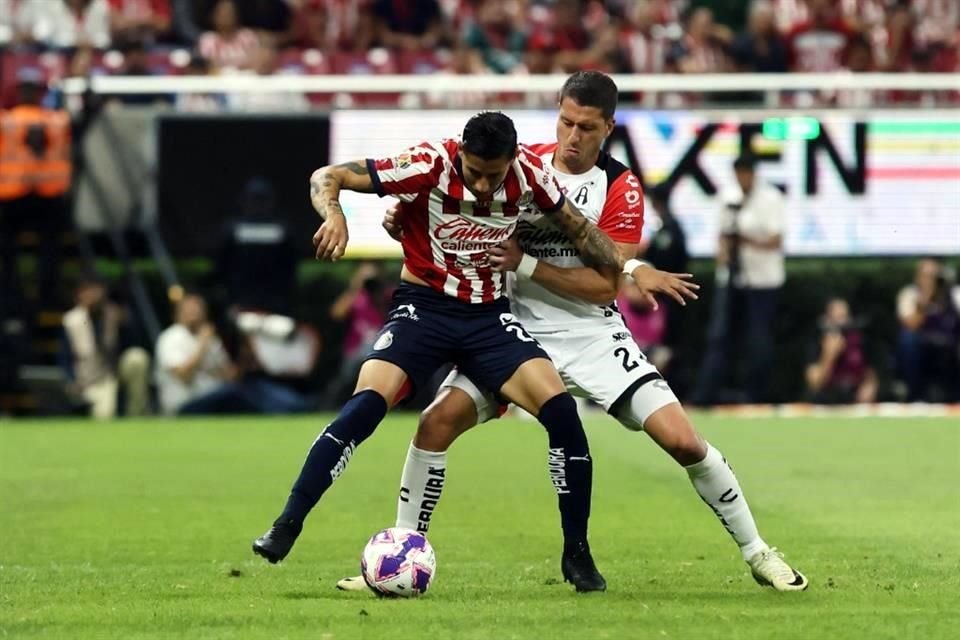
331, 238
393, 223
506, 256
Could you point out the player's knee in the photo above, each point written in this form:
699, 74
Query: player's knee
439, 427
559, 417
687, 448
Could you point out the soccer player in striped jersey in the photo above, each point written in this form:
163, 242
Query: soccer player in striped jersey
461, 199
567, 306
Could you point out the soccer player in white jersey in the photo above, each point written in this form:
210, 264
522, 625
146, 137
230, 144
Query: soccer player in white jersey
567, 307
461, 198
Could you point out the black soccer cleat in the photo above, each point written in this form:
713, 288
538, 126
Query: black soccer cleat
276, 543
579, 569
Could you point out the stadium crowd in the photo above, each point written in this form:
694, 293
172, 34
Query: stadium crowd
80, 37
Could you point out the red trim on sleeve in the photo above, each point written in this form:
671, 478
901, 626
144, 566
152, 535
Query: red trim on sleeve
542, 149
622, 215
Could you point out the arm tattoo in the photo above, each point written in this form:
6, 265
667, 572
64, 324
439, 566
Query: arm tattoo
324, 194
596, 248
355, 167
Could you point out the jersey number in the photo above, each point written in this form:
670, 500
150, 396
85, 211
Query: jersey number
624, 354
519, 332
509, 322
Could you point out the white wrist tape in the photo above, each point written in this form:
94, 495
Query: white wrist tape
633, 263
528, 264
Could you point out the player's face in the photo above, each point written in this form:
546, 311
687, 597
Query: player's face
483, 177
580, 134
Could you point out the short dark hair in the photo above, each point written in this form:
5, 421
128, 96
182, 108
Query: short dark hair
490, 135
592, 89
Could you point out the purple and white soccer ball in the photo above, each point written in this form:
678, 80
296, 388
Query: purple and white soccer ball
398, 562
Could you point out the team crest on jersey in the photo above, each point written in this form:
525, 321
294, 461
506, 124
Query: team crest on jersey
404, 160
582, 195
384, 341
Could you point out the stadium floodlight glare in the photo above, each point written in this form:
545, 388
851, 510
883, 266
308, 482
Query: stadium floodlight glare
797, 128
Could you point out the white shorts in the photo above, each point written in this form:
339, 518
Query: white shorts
604, 365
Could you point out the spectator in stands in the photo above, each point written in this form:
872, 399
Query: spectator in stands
7, 22
35, 174
192, 363
259, 255
761, 48
837, 370
409, 25
195, 375
98, 355
229, 46
928, 353
334, 25
61, 24
858, 57
817, 45
643, 37
750, 272
363, 309
496, 32
938, 22
897, 46
701, 50
266, 61
139, 20
563, 38
199, 102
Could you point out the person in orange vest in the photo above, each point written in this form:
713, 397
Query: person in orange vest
35, 172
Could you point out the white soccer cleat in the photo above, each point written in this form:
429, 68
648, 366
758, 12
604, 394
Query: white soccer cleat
770, 570
353, 583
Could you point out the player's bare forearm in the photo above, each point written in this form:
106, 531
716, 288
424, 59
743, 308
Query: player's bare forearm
582, 283
596, 248
326, 183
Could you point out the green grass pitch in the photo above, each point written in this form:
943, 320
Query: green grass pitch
140, 530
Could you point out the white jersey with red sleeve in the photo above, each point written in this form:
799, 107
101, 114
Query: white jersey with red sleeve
447, 231
608, 195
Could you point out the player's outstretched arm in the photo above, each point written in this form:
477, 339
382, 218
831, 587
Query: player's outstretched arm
325, 185
596, 248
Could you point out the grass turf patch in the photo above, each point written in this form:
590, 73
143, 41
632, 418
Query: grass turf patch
142, 530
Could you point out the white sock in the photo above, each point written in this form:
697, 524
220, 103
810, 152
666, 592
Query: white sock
714, 481
420, 487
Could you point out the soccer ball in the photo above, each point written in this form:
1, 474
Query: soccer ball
398, 562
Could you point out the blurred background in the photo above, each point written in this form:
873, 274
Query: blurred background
155, 226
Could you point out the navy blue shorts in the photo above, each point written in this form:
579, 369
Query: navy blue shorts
426, 330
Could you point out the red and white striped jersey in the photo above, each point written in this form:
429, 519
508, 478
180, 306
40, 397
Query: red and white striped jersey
610, 196
233, 53
446, 230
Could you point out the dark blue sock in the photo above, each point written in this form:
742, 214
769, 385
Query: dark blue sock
570, 466
332, 450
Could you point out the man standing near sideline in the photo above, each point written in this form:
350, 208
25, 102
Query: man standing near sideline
750, 273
